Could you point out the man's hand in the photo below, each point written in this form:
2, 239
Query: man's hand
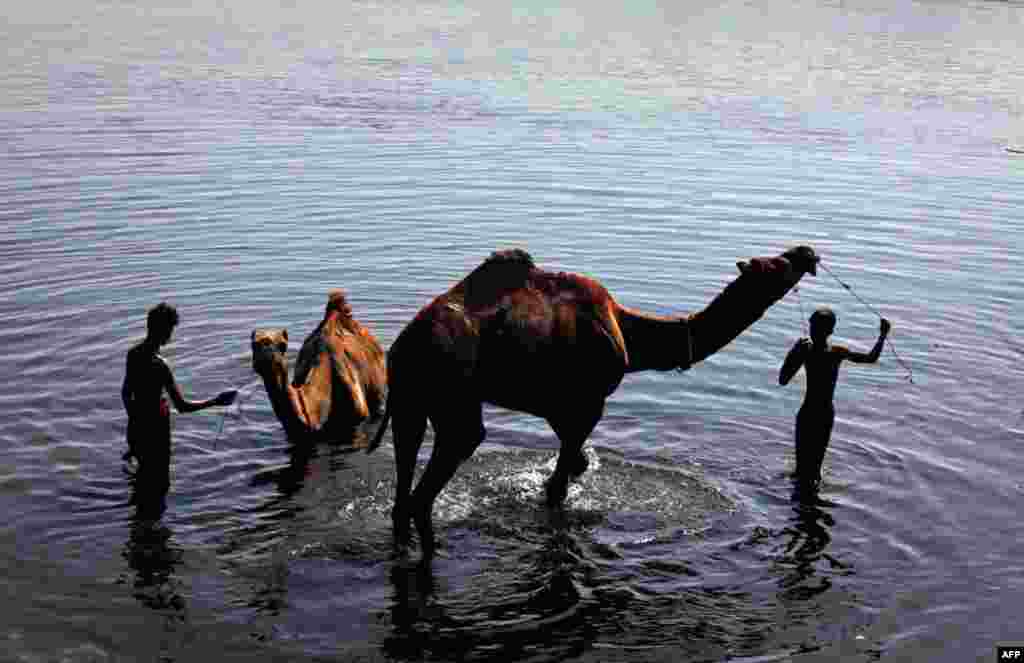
226, 397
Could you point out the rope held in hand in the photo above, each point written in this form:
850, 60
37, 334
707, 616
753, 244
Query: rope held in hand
243, 394
905, 365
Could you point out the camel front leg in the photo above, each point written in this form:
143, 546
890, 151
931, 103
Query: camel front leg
572, 426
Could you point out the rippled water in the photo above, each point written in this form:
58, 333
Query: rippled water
242, 161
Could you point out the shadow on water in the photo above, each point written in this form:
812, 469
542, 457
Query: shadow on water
291, 478
527, 582
537, 608
802, 547
519, 582
558, 601
150, 550
625, 571
308, 514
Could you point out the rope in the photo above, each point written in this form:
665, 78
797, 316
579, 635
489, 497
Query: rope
905, 365
243, 395
803, 312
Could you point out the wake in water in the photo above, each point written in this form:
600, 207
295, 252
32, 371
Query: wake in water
499, 494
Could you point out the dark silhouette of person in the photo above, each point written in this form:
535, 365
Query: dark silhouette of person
821, 361
147, 376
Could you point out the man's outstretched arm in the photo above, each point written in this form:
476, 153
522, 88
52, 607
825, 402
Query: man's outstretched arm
182, 404
876, 352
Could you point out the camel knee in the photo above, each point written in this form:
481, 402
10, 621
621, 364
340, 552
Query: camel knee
473, 440
557, 489
425, 529
577, 464
400, 518
399, 514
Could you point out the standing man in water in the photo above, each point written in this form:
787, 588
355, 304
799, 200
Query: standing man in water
147, 376
821, 361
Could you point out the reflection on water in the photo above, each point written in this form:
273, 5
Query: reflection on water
798, 551
414, 603
519, 580
538, 606
150, 550
802, 547
553, 592
301, 452
290, 478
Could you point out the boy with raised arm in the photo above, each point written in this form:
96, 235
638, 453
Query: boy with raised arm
821, 361
147, 376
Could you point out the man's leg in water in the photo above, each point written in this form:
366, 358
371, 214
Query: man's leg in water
152, 448
132, 437
813, 430
147, 433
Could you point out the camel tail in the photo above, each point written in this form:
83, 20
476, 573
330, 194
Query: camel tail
379, 437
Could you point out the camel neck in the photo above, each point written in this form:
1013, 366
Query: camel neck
282, 398
736, 308
653, 342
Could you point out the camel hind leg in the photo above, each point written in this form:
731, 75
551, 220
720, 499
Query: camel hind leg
572, 426
457, 434
408, 431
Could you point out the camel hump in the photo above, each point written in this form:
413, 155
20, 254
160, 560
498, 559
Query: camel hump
510, 257
502, 272
338, 317
310, 356
338, 303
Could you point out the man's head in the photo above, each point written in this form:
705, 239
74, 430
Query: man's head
160, 322
823, 322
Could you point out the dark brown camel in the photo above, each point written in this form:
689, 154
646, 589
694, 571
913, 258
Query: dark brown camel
554, 345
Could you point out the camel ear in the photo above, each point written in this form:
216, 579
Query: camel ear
284, 335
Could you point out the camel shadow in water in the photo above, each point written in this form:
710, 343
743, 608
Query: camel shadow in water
537, 602
301, 452
549, 591
532, 580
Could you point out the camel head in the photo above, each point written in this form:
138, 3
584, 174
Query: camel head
268, 353
803, 258
791, 265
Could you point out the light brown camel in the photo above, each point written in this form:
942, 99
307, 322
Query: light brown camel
554, 345
340, 374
